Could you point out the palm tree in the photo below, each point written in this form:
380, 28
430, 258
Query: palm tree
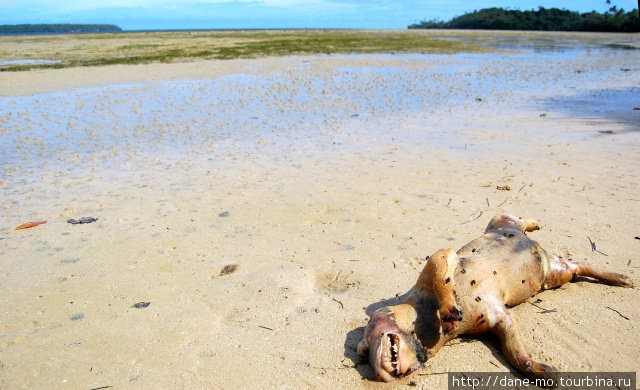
614, 7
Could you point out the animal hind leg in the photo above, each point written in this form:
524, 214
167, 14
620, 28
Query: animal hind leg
437, 276
506, 328
506, 221
563, 271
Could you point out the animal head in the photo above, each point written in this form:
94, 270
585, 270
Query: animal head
392, 352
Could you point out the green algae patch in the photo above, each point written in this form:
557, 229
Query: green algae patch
62, 51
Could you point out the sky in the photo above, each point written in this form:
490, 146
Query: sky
239, 14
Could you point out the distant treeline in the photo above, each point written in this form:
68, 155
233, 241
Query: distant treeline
552, 19
11, 29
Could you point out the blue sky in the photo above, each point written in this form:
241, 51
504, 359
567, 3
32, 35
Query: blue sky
194, 14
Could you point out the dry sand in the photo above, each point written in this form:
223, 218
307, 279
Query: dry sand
326, 180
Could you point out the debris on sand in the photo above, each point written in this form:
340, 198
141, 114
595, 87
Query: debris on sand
228, 269
29, 225
81, 220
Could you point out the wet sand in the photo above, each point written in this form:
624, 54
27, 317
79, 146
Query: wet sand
326, 180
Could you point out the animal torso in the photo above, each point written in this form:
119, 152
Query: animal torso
502, 265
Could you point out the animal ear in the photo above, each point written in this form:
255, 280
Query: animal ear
363, 347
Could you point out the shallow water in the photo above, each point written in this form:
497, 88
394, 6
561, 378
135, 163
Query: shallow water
28, 62
304, 107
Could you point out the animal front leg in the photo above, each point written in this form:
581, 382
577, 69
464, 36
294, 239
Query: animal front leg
438, 276
506, 328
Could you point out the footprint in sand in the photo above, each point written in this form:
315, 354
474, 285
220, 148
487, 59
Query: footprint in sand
336, 282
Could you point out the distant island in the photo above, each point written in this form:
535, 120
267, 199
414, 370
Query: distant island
546, 19
17, 29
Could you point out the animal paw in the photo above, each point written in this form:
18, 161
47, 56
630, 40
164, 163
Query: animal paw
449, 318
546, 373
622, 281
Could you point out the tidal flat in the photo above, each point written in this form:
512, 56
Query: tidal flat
61, 51
250, 211
25, 52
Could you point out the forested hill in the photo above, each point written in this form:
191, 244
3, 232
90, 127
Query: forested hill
549, 19
14, 29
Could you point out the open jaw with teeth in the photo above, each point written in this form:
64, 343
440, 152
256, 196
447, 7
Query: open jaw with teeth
393, 352
397, 355
389, 357
394, 341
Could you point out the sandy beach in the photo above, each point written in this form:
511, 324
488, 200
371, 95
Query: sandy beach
261, 207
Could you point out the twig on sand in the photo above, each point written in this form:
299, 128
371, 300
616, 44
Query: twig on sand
544, 311
102, 387
620, 314
434, 373
342, 367
479, 215
505, 201
521, 188
340, 303
265, 327
593, 247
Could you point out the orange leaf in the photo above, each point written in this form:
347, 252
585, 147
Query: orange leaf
29, 225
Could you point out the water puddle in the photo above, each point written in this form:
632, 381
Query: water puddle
27, 61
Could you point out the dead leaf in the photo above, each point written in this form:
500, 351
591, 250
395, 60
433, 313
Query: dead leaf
29, 225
